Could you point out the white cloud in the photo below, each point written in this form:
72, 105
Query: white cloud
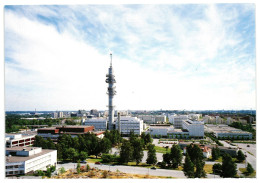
59, 70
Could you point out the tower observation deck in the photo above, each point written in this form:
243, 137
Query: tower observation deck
111, 92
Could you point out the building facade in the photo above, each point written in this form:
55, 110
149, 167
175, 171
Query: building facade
177, 120
22, 160
195, 128
128, 124
14, 140
99, 123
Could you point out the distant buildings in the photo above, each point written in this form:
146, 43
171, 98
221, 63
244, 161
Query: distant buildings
22, 160
153, 119
14, 140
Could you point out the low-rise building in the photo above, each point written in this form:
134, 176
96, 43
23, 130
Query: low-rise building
22, 160
152, 119
226, 132
14, 140
55, 132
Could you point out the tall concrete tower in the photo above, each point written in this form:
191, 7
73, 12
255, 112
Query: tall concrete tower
111, 92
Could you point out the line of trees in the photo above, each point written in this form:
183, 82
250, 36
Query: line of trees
13, 122
79, 147
247, 127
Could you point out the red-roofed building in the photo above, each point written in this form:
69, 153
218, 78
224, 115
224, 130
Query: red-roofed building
55, 132
205, 150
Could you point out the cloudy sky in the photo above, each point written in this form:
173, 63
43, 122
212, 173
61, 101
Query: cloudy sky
182, 56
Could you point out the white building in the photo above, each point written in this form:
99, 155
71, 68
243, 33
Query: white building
99, 123
159, 130
13, 140
195, 128
21, 160
153, 119
177, 120
194, 117
128, 124
225, 131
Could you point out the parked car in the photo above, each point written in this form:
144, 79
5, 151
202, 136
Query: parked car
98, 163
248, 145
153, 168
84, 161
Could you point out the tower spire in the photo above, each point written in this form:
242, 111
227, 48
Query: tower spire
110, 59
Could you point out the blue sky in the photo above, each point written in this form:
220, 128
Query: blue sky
199, 56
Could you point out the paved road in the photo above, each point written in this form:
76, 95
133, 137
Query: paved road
134, 170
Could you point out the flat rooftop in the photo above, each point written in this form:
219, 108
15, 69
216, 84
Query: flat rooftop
12, 159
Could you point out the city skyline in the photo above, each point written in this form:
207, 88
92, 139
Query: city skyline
192, 57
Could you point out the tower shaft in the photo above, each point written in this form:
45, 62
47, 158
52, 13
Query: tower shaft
111, 92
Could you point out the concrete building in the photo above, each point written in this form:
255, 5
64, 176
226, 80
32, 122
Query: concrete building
229, 120
194, 117
128, 124
99, 123
22, 160
14, 140
153, 119
195, 128
94, 112
55, 132
226, 132
177, 120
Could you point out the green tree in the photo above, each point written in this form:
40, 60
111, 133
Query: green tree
197, 159
217, 168
249, 168
126, 152
176, 156
71, 154
105, 145
215, 153
78, 167
83, 155
137, 150
240, 156
148, 139
151, 155
167, 159
229, 167
188, 167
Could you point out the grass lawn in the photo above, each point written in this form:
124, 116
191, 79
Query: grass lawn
208, 168
93, 159
244, 171
219, 159
162, 150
